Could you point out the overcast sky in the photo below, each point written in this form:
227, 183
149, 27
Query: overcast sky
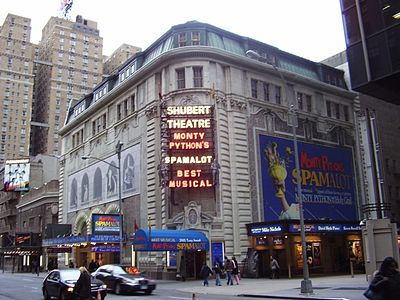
312, 29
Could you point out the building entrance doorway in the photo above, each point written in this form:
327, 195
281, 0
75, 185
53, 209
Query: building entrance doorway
192, 263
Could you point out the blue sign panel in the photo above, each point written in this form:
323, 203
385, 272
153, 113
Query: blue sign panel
327, 181
106, 224
105, 248
267, 229
104, 238
217, 251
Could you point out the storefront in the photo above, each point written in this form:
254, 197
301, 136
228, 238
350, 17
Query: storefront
84, 248
184, 250
331, 247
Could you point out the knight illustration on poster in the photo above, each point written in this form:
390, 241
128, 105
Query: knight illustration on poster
326, 175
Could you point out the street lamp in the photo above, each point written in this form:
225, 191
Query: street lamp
306, 284
118, 148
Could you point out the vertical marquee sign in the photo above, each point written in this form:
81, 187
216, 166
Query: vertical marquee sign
188, 147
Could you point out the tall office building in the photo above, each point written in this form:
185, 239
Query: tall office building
118, 57
70, 65
16, 86
372, 30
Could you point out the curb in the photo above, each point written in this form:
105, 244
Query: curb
289, 297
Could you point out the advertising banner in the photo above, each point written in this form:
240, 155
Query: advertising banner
327, 181
16, 175
105, 224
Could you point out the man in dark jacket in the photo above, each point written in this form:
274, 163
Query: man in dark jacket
204, 273
82, 286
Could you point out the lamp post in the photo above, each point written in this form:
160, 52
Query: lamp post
118, 149
306, 284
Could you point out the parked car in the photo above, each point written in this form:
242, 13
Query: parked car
124, 279
60, 284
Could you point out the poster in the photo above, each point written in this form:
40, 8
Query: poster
327, 181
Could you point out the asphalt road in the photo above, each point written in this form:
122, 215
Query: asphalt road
29, 287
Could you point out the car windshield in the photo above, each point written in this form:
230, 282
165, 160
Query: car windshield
70, 275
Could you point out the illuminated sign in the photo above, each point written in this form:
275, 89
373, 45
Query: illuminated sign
189, 159
105, 224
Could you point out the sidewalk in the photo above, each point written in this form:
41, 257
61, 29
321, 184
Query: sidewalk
327, 287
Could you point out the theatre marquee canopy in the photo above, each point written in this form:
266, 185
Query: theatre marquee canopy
169, 240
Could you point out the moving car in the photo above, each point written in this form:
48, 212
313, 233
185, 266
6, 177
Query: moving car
124, 279
60, 284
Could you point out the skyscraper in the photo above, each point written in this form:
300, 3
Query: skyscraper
16, 86
69, 66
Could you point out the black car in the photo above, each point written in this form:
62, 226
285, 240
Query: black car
60, 284
124, 279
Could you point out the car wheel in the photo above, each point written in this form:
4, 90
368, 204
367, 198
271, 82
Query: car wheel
117, 289
45, 294
148, 292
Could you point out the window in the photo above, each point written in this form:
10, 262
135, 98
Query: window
328, 109
308, 103
346, 113
266, 91
180, 78
197, 76
278, 94
254, 88
99, 124
133, 105
337, 111
300, 101
195, 38
77, 138
182, 39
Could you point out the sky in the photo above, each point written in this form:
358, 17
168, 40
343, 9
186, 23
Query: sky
312, 29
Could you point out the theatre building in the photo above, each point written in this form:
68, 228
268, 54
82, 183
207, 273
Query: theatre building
204, 165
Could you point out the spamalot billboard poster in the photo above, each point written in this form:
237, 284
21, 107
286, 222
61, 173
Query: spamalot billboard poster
327, 181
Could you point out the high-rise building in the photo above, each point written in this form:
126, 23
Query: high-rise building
69, 66
372, 30
118, 57
16, 86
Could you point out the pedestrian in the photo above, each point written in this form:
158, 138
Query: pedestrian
71, 264
228, 266
50, 265
82, 286
205, 272
386, 282
274, 265
92, 266
35, 267
235, 270
217, 271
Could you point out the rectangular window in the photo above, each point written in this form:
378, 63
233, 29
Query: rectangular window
197, 76
346, 113
180, 78
328, 109
308, 103
195, 38
266, 91
182, 39
254, 84
337, 111
278, 94
300, 101
119, 112
133, 104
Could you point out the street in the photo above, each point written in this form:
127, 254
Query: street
28, 286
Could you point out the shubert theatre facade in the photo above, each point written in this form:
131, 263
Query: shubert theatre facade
207, 164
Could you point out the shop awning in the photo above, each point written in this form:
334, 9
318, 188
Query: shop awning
169, 240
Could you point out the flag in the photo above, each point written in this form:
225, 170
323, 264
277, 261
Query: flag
136, 226
149, 224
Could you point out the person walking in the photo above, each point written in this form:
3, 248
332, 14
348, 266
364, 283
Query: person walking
82, 286
274, 265
228, 268
386, 282
204, 273
35, 267
217, 271
235, 270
